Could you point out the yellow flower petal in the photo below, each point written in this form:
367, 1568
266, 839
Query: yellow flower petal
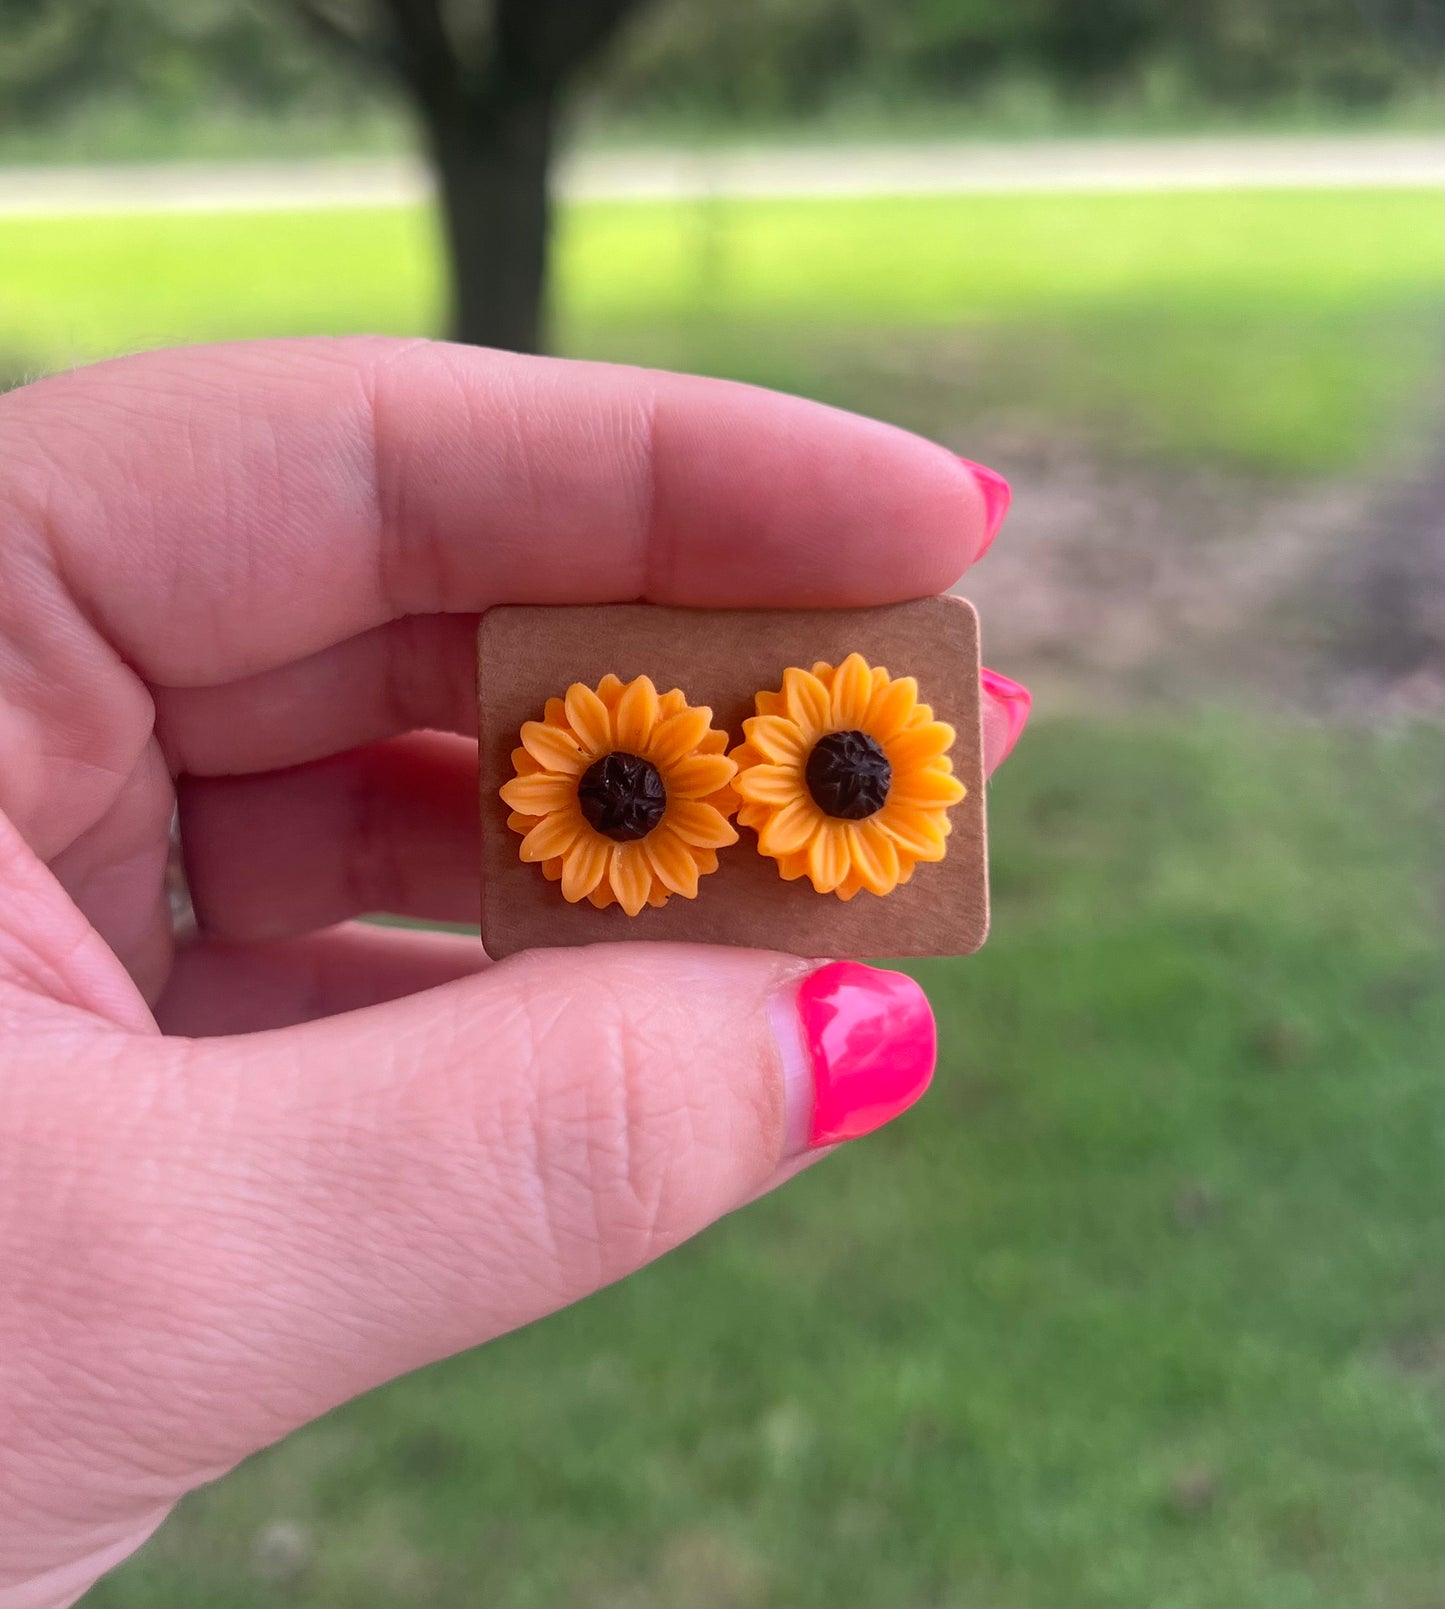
792, 867
791, 828
770, 784
706, 861
753, 815
672, 862
631, 876
635, 715
915, 746
698, 776
585, 865
554, 712
828, 856
849, 886
602, 896
520, 823
807, 703
609, 690
928, 785
673, 702
852, 693
874, 855
658, 897
553, 835
890, 708
589, 718
557, 749
776, 737
700, 824
677, 736
917, 832
713, 742
769, 704
523, 763
540, 793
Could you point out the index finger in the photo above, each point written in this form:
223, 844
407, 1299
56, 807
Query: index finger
220, 511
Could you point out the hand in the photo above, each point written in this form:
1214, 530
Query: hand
247, 578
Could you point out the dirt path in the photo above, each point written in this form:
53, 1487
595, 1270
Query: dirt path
740, 171
1126, 581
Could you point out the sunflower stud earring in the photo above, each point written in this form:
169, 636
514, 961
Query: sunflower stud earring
845, 777
621, 794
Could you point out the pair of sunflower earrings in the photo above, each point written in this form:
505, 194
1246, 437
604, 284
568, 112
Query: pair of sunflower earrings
625, 795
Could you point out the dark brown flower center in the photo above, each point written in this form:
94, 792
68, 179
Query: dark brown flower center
622, 796
848, 775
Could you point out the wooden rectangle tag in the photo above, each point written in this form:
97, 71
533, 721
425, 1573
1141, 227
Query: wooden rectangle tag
722, 657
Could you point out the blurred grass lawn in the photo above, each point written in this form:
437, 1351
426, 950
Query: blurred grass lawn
1285, 330
1143, 1305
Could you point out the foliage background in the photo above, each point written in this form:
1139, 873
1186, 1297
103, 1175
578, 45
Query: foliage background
93, 79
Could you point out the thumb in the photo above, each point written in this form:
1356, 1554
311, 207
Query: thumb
277, 1222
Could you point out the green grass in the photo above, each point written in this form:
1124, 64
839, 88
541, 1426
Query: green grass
1142, 1306
1279, 331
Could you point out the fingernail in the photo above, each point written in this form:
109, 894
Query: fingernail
867, 1043
1008, 701
997, 495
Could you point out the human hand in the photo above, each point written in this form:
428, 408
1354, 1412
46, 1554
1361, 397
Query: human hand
247, 1179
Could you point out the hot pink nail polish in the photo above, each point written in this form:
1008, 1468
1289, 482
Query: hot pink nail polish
871, 1040
1012, 699
997, 495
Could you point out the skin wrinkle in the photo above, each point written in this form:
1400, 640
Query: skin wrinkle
441, 1053
418, 572
532, 1160
557, 1185
507, 424
647, 1187
115, 871
67, 667
249, 438
502, 1139
408, 674
37, 974
46, 941
389, 512
203, 617
454, 1173
322, 1146
657, 553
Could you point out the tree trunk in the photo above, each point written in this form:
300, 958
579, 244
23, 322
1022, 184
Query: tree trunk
492, 164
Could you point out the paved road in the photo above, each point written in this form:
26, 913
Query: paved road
836, 170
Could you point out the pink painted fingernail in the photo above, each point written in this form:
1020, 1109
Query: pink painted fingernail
1010, 702
869, 1042
997, 495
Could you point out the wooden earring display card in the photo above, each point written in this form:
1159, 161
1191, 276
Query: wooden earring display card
722, 657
